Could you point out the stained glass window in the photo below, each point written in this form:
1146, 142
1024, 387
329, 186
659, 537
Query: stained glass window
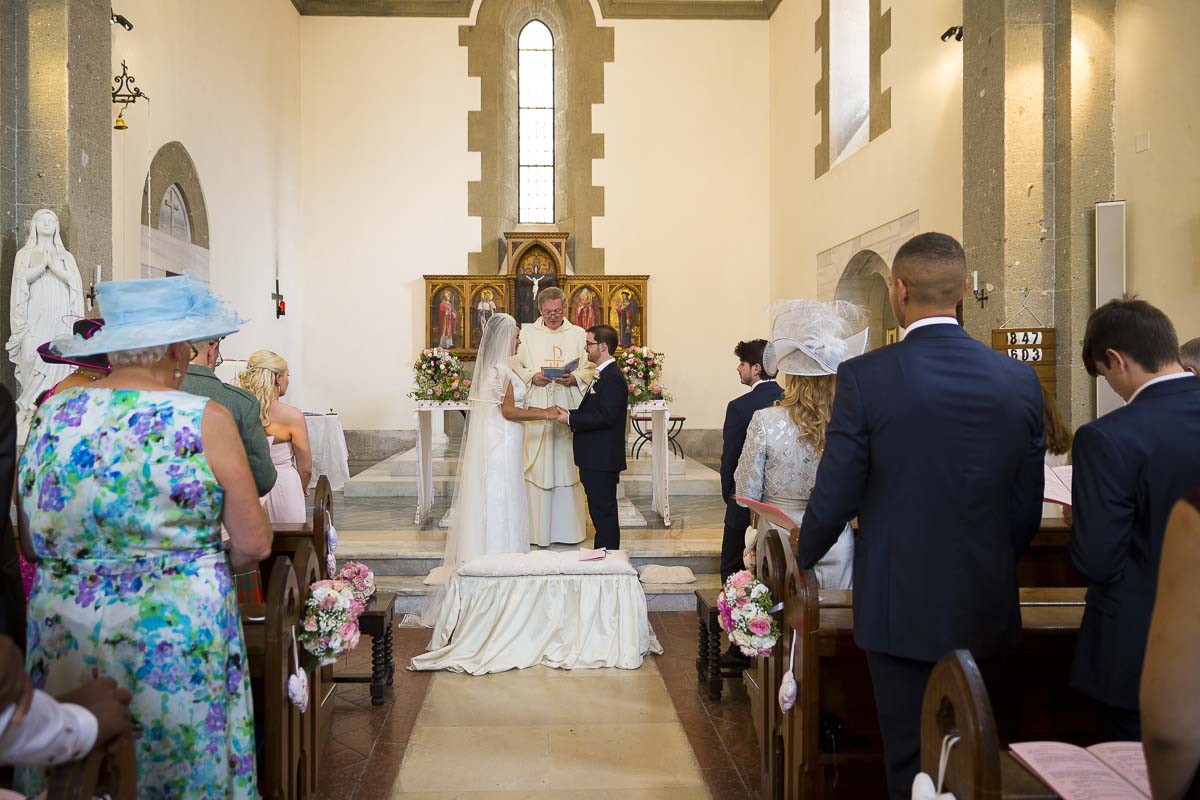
535, 110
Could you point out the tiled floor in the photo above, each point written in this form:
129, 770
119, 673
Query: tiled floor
368, 746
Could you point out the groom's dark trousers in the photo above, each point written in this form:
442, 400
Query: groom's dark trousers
599, 443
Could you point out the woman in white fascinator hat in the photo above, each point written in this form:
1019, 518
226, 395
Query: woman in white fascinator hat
784, 443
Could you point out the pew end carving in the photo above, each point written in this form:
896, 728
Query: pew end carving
956, 703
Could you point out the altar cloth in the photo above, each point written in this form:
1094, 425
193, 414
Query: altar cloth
543, 608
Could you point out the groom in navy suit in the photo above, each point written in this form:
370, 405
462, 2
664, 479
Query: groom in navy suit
936, 444
1130, 467
599, 435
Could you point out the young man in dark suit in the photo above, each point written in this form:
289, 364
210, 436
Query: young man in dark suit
764, 391
1130, 467
936, 444
599, 435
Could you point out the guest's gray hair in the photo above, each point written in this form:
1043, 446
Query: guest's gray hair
550, 293
142, 357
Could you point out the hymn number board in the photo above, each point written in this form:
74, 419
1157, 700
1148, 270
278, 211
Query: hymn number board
1034, 346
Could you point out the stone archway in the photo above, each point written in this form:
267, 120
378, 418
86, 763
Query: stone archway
173, 174
865, 282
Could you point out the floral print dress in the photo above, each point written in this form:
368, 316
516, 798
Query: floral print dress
133, 584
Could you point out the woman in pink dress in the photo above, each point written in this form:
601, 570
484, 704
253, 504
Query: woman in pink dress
266, 377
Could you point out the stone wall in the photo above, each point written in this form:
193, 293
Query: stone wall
55, 132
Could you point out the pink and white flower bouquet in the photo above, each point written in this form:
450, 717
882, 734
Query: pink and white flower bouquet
440, 377
329, 628
362, 584
744, 606
643, 368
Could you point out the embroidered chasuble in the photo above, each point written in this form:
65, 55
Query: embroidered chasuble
551, 479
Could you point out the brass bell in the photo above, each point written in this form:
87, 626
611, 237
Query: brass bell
120, 125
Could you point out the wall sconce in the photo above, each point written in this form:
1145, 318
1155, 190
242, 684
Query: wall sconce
125, 92
119, 19
954, 30
981, 295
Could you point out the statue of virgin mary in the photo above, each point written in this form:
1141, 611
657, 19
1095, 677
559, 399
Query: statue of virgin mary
47, 291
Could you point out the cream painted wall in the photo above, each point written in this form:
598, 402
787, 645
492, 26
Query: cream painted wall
224, 80
1155, 78
685, 123
914, 166
384, 186
385, 171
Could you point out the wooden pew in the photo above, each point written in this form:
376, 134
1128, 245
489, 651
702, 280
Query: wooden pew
290, 739
109, 771
957, 704
828, 745
289, 536
774, 561
1046, 562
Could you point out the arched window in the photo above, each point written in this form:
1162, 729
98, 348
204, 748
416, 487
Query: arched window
173, 216
535, 120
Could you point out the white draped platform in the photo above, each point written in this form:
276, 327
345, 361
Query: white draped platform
520, 610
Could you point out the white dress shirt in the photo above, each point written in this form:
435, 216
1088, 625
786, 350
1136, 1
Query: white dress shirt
921, 323
51, 733
1159, 379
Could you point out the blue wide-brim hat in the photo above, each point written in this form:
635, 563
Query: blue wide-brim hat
152, 312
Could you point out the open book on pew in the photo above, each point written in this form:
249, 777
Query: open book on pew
769, 512
1058, 485
1109, 771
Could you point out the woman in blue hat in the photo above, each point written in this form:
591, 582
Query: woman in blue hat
124, 485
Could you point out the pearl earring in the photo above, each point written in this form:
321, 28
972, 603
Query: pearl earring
178, 374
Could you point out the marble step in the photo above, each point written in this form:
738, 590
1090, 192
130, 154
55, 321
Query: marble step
410, 592
378, 481
414, 553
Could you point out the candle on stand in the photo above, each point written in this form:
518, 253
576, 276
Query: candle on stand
97, 278
976, 275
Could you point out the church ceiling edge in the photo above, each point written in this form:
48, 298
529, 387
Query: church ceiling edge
609, 9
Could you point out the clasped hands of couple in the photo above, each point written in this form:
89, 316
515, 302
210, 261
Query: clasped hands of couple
555, 412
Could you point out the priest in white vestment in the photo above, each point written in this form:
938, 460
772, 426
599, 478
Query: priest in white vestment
551, 478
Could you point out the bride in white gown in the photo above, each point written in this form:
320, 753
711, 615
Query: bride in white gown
490, 510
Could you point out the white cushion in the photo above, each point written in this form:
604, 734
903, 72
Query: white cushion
545, 562
656, 573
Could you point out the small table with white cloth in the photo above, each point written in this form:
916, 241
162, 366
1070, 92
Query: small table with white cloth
425, 493
327, 441
660, 415
516, 610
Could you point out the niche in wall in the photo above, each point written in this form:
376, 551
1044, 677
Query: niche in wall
175, 235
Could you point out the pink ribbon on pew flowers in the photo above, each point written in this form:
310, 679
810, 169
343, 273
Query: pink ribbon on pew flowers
297, 684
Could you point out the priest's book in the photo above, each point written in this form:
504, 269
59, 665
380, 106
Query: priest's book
1109, 771
563, 371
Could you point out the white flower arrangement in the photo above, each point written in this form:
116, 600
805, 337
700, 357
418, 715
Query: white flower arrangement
744, 607
329, 628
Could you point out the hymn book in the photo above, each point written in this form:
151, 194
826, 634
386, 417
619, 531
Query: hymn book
1058, 485
592, 555
1109, 771
563, 371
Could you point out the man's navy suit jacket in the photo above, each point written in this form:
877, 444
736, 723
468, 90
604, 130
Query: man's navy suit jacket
1130, 467
737, 420
936, 444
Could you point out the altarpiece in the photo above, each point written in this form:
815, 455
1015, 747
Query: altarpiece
458, 306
